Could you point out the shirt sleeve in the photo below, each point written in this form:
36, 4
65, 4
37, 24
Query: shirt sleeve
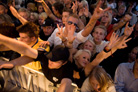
119, 79
86, 87
41, 56
53, 39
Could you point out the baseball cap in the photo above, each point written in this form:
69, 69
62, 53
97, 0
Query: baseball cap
59, 53
48, 22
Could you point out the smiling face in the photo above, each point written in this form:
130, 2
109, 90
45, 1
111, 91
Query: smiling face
89, 46
83, 59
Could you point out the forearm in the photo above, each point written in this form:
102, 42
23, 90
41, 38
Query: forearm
15, 13
48, 11
18, 46
4, 48
89, 27
16, 62
65, 85
119, 25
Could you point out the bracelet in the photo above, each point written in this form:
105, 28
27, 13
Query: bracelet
70, 42
106, 49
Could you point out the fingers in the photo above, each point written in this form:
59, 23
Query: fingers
133, 26
128, 40
106, 9
127, 24
99, 4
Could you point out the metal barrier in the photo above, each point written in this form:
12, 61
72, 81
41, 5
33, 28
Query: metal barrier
30, 80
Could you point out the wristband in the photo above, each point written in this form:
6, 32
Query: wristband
106, 49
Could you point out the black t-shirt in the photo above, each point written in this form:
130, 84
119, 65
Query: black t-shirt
79, 81
55, 75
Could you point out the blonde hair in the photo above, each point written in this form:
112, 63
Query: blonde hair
79, 52
94, 46
43, 15
110, 16
102, 77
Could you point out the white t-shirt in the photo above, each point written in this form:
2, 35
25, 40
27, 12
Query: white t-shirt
54, 40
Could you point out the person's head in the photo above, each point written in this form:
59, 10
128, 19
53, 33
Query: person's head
72, 19
7, 29
99, 79
48, 27
24, 13
40, 8
89, 45
42, 17
31, 7
33, 17
99, 34
28, 33
58, 57
106, 18
65, 14
5, 18
57, 8
3, 8
133, 54
82, 58
18, 4
121, 9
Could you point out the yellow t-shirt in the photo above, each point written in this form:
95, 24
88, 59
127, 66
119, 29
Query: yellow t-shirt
36, 64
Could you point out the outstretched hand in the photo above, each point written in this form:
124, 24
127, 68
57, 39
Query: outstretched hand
98, 12
113, 40
44, 44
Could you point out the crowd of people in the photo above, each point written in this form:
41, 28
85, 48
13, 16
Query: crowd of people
92, 43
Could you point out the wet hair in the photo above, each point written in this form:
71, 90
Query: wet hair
30, 28
59, 7
102, 77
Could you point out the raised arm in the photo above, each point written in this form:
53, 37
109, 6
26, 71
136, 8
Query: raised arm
114, 44
98, 12
122, 22
16, 62
47, 9
16, 14
18, 46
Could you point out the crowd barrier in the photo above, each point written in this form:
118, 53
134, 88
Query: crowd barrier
25, 78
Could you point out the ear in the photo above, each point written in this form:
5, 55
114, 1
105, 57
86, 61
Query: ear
33, 38
64, 63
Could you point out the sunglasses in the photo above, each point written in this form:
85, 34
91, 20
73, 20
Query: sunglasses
70, 22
